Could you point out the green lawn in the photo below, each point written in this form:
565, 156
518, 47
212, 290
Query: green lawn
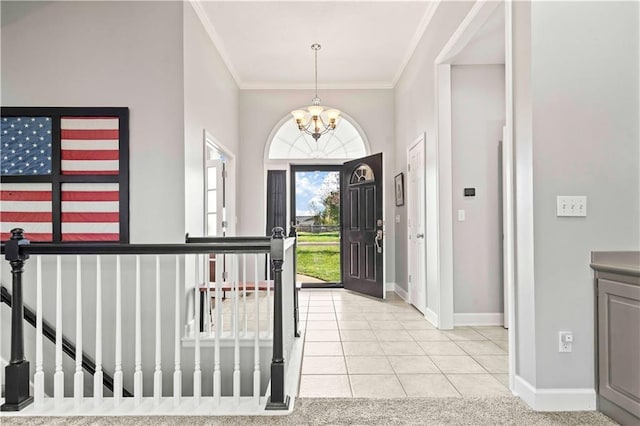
321, 262
325, 237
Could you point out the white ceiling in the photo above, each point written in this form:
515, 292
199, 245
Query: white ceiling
267, 44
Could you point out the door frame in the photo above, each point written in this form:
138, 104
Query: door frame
293, 168
422, 139
443, 256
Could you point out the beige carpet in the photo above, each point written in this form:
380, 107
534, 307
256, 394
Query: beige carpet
355, 411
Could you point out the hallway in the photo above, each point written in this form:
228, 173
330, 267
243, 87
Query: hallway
356, 346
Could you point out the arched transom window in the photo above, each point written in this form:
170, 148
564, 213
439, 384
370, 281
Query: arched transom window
345, 142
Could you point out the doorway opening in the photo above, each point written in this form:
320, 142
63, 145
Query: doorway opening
316, 211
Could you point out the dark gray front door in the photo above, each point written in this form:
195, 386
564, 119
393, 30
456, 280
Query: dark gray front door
362, 245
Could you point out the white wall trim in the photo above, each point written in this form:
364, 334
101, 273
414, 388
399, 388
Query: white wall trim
432, 317
491, 318
402, 293
215, 39
475, 19
417, 36
581, 399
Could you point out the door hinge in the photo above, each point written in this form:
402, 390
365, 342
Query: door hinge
224, 224
225, 275
224, 174
409, 278
408, 167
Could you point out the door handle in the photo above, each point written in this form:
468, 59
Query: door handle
377, 240
420, 236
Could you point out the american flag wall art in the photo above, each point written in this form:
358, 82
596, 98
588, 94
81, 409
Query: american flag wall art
89, 145
90, 212
27, 206
64, 174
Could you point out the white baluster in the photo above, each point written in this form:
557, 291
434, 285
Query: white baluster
58, 377
177, 373
38, 379
78, 379
117, 373
236, 330
197, 373
256, 343
217, 376
244, 292
137, 375
157, 375
98, 375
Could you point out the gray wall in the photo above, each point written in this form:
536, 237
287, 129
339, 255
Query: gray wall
415, 114
478, 115
211, 99
110, 54
579, 132
373, 110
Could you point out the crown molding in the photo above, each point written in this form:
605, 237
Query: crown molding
415, 40
215, 38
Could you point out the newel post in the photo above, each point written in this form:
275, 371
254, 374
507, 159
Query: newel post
17, 372
278, 400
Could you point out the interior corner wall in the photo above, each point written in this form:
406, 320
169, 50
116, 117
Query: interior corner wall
125, 54
478, 116
211, 99
415, 114
586, 141
262, 110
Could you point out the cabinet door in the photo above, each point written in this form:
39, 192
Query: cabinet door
619, 344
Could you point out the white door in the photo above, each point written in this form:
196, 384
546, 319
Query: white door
215, 225
416, 226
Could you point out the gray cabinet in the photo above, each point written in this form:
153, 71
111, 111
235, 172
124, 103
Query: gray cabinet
618, 325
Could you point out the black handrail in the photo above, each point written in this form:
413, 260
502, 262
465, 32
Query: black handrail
233, 246
18, 249
68, 348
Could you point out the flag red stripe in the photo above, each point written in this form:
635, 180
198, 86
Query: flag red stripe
31, 236
25, 217
93, 217
90, 172
74, 134
85, 154
90, 237
90, 196
25, 195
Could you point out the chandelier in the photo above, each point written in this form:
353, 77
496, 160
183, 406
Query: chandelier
312, 121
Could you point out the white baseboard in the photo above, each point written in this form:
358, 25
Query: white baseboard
389, 286
432, 317
402, 293
478, 319
555, 399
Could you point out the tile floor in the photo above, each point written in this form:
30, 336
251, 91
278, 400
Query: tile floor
356, 346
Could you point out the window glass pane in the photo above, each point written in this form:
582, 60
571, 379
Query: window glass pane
211, 224
362, 174
211, 201
211, 178
342, 143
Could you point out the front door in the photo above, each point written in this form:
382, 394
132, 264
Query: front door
362, 242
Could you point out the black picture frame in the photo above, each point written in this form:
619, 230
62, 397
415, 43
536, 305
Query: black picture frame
399, 186
57, 178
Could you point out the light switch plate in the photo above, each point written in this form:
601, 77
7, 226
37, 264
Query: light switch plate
571, 205
461, 216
